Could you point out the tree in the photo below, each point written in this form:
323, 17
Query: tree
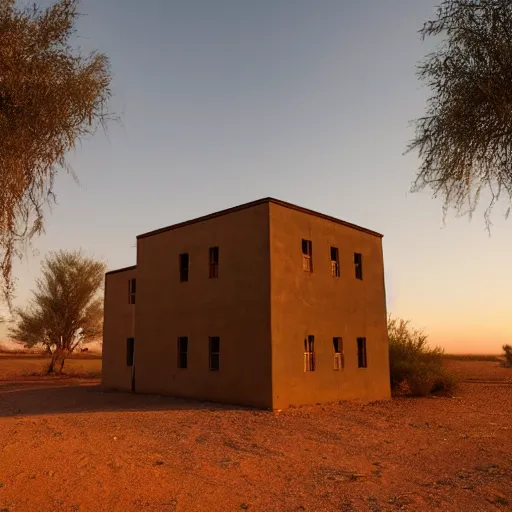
464, 140
51, 97
66, 309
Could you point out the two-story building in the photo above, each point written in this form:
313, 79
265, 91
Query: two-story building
266, 304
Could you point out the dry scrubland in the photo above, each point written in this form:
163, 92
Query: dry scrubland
67, 445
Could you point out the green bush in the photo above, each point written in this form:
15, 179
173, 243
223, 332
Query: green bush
413, 364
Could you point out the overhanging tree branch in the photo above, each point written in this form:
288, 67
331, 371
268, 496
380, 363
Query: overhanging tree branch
51, 98
464, 140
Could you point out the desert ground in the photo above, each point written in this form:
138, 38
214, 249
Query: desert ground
68, 445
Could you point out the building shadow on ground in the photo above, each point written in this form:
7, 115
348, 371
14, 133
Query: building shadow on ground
39, 396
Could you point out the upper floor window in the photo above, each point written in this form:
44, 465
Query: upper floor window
358, 264
184, 263
335, 262
131, 291
309, 354
307, 255
214, 262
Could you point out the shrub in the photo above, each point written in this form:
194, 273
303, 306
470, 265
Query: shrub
413, 364
508, 355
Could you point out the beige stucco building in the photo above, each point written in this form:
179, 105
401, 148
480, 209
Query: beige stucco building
265, 304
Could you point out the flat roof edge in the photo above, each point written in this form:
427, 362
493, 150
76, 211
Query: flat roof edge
326, 217
251, 205
118, 270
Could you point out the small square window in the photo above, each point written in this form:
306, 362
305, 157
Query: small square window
214, 353
358, 263
335, 262
361, 353
184, 263
307, 255
214, 262
183, 352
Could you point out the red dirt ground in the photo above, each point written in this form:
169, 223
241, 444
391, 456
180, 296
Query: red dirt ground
67, 445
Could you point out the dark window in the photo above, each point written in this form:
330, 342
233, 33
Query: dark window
214, 262
182, 351
131, 291
309, 354
358, 263
184, 260
130, 345
214, 353
307, 255
339, 357
361, 353
335, 262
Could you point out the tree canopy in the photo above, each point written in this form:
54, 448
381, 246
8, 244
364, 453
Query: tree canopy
51, 97
464, 140
67, 307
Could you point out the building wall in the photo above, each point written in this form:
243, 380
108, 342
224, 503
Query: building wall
235, 307
119, 324
324, 306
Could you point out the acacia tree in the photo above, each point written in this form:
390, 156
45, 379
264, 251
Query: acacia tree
51, 97
66, 309
464, 140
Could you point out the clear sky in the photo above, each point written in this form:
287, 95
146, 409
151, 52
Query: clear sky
227, 101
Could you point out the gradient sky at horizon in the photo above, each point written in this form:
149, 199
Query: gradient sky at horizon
226, 101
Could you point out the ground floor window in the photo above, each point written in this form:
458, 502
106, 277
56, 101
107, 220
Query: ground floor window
214, 353
361, 353
339, 358
182, 352
309, 354
130, 345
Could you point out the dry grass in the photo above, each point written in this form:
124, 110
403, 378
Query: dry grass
18, 351
92, 450
14, 366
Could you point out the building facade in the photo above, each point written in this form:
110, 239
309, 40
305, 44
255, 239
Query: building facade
265, 304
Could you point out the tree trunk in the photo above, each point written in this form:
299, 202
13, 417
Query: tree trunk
50, 366
57, 361
53, 360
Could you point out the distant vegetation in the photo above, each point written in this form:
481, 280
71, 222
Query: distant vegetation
415, 368
472, 357
507, 349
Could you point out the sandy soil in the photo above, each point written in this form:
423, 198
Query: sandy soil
67, 445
